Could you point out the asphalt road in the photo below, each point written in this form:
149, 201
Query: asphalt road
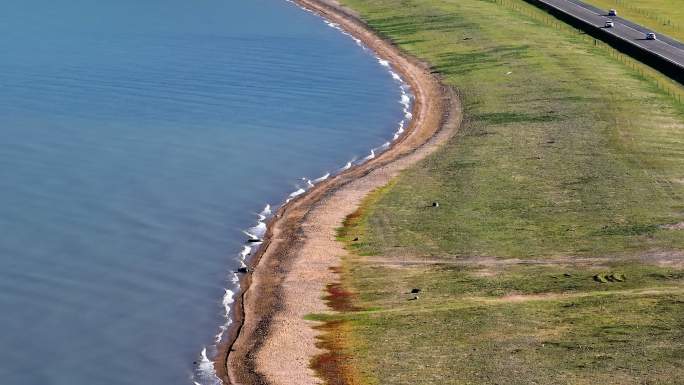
665, 47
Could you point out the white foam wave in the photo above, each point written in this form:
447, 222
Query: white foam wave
346, 166
396, 76
405, 100
337, 27
222, 331
258, 231
205, 372
266, 211
297, 193
331, 24
321, 179
383, 62
370, 156
228, 300
250, 235
309, 184
401, 126
246, 250
399, 131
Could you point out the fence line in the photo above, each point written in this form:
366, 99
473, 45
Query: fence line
663, 83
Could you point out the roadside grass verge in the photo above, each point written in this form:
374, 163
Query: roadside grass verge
549, 259
666, 16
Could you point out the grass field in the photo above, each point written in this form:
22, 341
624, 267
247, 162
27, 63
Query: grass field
554, 256
564, 150
665, 16
467, 327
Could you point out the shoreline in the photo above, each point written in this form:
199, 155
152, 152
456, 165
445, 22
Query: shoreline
265, 327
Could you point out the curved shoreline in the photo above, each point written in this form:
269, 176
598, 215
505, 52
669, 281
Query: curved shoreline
270, 342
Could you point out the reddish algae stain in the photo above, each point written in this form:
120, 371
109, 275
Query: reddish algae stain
335, 365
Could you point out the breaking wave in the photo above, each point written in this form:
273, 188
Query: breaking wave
321, 179
204, 372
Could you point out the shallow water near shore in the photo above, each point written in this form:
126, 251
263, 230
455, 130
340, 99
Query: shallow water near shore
139, 140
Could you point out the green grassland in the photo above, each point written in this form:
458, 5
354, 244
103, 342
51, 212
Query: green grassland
550, 259
666, 16
464, 330
564, 149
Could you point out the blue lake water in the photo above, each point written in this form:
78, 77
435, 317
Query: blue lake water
138, 138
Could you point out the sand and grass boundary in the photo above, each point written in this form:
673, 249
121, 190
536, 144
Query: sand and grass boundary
271, 341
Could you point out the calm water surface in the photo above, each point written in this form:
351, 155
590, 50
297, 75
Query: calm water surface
138, 138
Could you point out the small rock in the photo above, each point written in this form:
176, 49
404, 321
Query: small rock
243, 270
435, 204
415, 291
355, 239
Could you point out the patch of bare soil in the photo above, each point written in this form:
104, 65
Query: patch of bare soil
674, 259
561, 296
489, 265
674, 226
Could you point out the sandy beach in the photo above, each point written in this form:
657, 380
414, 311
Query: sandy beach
271, 342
